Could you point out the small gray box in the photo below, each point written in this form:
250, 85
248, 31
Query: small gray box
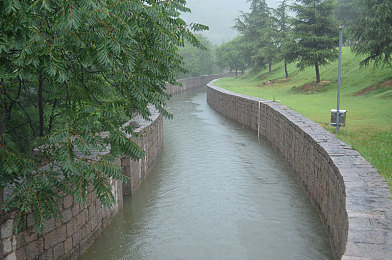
342, 117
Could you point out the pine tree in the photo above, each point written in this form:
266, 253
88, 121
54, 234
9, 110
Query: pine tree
372, 31
70, 71
315, 33
283, 33
258, 30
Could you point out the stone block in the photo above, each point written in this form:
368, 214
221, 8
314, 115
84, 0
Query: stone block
49, 225
7, 245
66, 215
68, 245
75, 209
35, 248
68, 201
55, 237
82, 218
21, 254
6, 229
91, 211
58, 251
48, 254
76, 238
72, 227
20, 240
30, 235
10, 257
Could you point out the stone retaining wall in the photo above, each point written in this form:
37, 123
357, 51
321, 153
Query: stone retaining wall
352, 199
150, 139
195, 82
81, 224
64, 238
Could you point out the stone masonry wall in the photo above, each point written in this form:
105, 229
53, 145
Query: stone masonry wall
150, 139
352, 199
195, 82
65, 238
81, 224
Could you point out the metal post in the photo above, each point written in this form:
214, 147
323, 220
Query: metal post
339, 77
259, 121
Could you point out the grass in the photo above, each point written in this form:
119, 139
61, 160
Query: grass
366, 94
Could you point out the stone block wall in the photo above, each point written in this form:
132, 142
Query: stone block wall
150, 139
195, 82
352, 199
64, 238
81, 224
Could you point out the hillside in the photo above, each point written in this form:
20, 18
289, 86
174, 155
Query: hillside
366, 94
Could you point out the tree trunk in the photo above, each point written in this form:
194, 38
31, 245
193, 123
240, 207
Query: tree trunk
270, 67
285, 70
236, 72
40, 106
316, 66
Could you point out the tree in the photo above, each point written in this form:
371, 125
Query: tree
198, 61
372, 31
283, 33
345, 11
231, 55
71, 73
315, 33
257, 28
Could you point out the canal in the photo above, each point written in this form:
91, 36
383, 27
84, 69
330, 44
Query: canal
216, 193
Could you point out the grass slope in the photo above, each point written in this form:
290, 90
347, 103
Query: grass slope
366, 94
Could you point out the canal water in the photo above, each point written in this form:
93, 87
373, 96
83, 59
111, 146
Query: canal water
216, 193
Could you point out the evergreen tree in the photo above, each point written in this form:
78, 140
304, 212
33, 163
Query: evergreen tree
258, 30
372, 31
345, 11
71, 73
283, 33
315, 33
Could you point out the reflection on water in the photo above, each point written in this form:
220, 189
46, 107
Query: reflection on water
217, 193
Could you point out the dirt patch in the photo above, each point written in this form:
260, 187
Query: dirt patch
387, 83
311, 88
364, 91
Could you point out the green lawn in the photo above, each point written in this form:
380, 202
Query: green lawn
369, 113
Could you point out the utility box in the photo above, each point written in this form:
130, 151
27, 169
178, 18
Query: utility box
342, 117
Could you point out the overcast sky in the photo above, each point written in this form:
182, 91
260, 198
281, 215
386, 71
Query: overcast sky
219, 15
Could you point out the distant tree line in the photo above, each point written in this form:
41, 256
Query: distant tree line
308, 37
198, 61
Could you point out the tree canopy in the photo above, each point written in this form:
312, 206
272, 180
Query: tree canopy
70, 71
371, 31
231, 55
315, 34
198, 61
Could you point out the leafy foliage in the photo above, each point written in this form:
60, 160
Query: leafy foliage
232, 55
198, 61
71, 73
372, 31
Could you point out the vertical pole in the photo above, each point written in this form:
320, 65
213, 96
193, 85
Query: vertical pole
339, 77
259, 121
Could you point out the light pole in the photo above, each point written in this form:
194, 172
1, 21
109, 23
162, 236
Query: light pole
339, 77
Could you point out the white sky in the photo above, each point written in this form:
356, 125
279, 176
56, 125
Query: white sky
219, 15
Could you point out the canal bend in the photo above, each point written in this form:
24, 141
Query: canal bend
216, 193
